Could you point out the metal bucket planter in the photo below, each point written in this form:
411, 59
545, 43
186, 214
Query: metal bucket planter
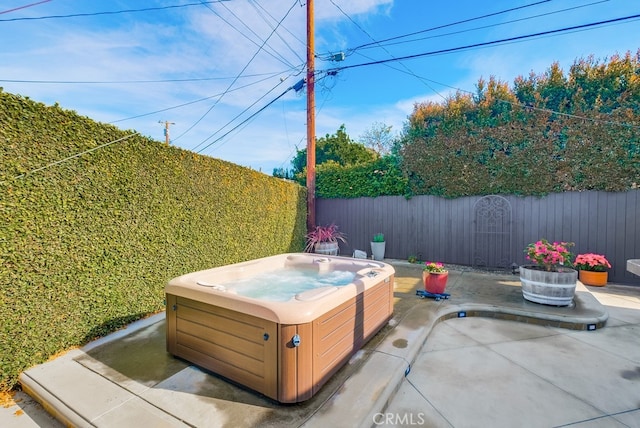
548, 288
377, 250
327, 248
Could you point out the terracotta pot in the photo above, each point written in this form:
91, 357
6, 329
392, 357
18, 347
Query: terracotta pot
588, 277
435, 282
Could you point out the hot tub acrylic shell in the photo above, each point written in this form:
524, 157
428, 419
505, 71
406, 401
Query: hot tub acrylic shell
284, 350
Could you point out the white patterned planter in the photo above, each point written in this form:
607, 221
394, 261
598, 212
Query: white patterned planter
548, 288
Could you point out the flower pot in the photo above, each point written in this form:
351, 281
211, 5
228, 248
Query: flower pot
326, 248
377, 250
548, 288
435, 282
589, 277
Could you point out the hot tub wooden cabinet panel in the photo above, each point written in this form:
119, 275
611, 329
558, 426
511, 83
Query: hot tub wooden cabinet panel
237, 346
342, 331
284, 350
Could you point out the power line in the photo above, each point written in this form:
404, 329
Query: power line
464, 21
191, 102
111, 82
285, 28
239, 74
116, 12
247, 119
573, 116
282, 39
424, 80
490, 43
126, 137
238, 115
484, 27
273, 55
24, 7
408, 70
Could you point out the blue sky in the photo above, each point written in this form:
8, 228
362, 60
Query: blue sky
209, 67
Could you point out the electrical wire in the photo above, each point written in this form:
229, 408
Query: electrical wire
573, 116
581, 27
558, 113
191, 102
111, 82
247, 119
408, 70
255, 5
126, 137
272, 54
238, 76
116, 12
484, 27
464, 21
238, 115
304, 44
24, 7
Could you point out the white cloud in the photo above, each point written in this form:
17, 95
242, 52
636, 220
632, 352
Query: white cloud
197, 43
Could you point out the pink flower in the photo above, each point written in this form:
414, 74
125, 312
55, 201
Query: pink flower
592, 262
434, 267
549, 255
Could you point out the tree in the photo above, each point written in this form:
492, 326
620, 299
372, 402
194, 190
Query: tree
287, 174
378, 138
338, 148
549, 133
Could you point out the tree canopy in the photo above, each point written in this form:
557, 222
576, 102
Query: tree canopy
336, 148
548, 133
545, 133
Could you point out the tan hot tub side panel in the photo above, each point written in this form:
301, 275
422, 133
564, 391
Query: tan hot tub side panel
226, 342
232, 344
295, 372
344, 330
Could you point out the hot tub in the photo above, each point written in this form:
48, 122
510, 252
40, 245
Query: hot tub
283, 346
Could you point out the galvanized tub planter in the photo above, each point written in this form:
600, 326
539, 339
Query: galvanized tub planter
548, 288
327, 248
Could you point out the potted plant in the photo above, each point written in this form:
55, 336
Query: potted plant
324, 240
378, 246
550, 280
434, 276
592, 269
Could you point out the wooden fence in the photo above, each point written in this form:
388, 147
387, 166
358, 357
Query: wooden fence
492, 231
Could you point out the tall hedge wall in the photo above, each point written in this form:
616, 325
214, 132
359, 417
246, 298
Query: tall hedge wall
547, 133
87, 245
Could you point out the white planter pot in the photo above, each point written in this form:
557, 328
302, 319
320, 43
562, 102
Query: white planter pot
377, 250
548, 288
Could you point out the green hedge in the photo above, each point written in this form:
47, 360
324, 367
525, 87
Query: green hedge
546, 133
377, 178
87, 245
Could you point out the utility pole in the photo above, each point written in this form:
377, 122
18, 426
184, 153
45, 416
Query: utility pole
166, 130
311, 122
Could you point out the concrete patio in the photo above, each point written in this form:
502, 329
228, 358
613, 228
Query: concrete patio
482, 357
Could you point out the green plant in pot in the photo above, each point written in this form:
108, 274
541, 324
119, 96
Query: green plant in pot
324, 240
550, 280
378, 246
